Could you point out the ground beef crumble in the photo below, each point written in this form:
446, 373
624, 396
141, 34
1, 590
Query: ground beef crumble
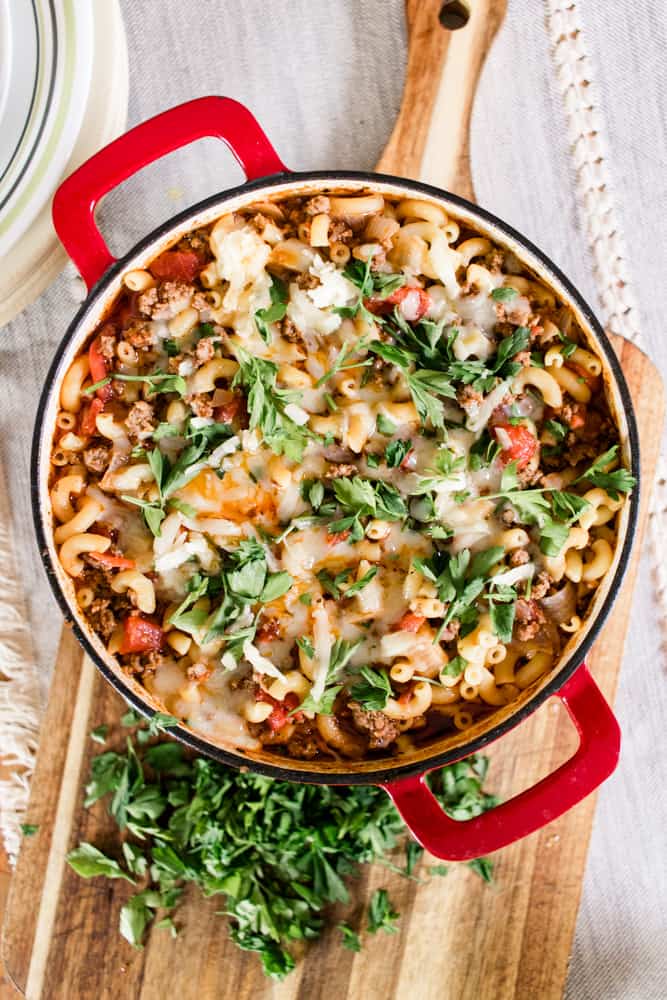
380, 729
317, 205
529, 619
140, 421
165, 300
96, 458
201, 405
139, 334
205, 350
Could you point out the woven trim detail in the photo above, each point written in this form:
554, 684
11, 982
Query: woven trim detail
595, 198
19, 694
586, 129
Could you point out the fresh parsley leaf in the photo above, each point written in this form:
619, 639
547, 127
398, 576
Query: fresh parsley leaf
332, 584
275, 312
266, 405
164, 430
502, 612
553, 535
359, 585
100, 733
557, 429
306, 599
385, 425
618, 481
171, 348
157, 381
483, 452
160, 722
351, 939
134, 918
340, 365
482, 867
381, 915
396, 451
455, 667
87, 861
29, 829
304, 643
413, 854
276, 585
373, 690
361, 497
504, 294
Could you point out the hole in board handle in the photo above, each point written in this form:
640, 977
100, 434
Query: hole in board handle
454, 14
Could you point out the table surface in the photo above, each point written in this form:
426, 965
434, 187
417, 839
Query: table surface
334, 107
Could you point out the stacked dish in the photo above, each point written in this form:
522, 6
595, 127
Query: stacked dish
46, 56
63, 95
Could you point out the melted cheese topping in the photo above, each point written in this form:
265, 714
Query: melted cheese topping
303, 535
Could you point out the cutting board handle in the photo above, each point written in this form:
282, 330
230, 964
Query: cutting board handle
430, 140
593, 762
75, 200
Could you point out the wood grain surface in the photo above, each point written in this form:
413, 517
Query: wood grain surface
459, 939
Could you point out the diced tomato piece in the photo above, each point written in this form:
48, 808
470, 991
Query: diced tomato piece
268, 630
410, 460
98, 371
89, 416
281, 709
578, 418
225, 414
413, 302
337, 536
177, 265
410, 622
140, 635
523, 444
592, 381
109, 561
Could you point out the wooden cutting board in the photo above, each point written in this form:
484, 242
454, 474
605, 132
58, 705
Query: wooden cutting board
459, 939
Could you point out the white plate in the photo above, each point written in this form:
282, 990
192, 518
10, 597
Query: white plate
18, 76
38, 257
64, 66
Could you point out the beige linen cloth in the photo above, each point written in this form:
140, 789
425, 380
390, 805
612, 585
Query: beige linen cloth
325, 81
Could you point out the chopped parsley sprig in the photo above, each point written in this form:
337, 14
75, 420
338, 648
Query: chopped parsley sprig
614, 483
267, 405
172, 475
553, 511
244, 580
189, 820
157, 381
276, 311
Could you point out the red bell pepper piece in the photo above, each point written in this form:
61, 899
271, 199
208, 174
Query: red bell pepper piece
98, 371
413, 302
523, 444
89, 416
109, 561
177, 265
280, 715
140, 635
410, 622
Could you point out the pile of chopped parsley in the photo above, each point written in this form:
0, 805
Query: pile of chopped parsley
279, 853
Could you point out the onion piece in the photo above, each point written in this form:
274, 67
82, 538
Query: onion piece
514, 575
561, 606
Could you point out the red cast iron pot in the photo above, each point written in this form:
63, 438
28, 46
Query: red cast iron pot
402, 777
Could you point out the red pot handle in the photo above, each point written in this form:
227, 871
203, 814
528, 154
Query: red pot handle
75, 200
595, 759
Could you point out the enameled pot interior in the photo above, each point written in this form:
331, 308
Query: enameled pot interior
93, 310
